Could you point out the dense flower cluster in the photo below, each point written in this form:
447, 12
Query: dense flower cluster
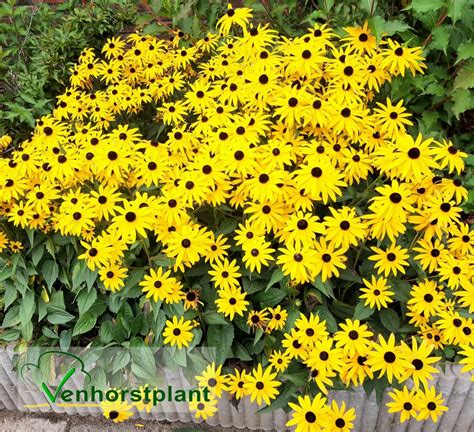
275, 133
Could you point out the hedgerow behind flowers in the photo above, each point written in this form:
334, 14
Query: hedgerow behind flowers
280, 213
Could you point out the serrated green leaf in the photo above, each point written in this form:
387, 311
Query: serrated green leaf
85, 323
58, 316
465, 51
463, 101
440, 40
422, 6
394, 26
465, 77
456, 9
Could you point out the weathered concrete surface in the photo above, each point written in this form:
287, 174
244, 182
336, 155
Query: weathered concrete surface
15, 421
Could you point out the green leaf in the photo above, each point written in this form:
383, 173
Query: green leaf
277, 276
271, 297
50, 272
10, 335
440, 39
394, 26
350, 275
144, 358
465, 51
325, 314
377, 24
422, 6
26, 329
457, 8
121, 359
402, 290
362, 312
85, 323
12, 317
10, 295
37, 254
252, 287
463, 101
240, 352
85, 300
465, 77
258, 335
27, 306
213, 317
299, 379
369, 6
65, 339
49, 333
227, 227
59, 316
220, 338
324, 287
390, 320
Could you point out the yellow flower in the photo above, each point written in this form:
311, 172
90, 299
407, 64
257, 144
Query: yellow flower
178, 332
261, 385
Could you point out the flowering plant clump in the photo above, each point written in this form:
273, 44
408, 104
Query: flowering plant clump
275, 210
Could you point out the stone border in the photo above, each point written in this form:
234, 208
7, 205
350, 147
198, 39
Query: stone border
457, 388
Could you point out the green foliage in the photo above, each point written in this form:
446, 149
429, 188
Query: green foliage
40, 45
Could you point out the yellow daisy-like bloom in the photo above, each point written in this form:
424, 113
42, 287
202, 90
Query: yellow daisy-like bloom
431, 404
392, 119
3, 241
388, 358
178, 332
391, 260
309, 414
117, 411
338, 418
279, 361
278, 318
261, 385
113, 276
204, 409
406, 402
353, 337
236, 383
239, 17
158, 283
328, 259
419, 356
213, 379
231, 301
225, 274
